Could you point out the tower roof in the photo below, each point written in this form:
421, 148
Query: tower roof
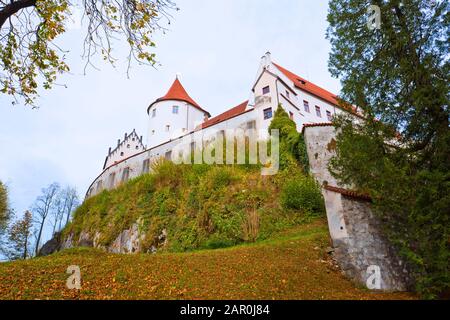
177, 92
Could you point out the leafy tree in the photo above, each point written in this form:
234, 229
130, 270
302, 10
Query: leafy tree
30, 58
19, 237
5, 212
3, 206
292, 144
398, 75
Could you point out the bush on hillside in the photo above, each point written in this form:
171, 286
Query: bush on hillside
292, 144
302, 193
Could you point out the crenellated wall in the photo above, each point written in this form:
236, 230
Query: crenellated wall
358, 241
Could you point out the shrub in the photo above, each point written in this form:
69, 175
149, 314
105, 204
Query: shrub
302, 193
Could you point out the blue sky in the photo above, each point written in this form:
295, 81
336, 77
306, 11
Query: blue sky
215, 45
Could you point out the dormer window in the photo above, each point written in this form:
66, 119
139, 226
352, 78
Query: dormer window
153, 113
175, 109
266, 90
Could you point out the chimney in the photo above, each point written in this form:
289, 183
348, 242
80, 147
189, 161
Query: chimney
268, 59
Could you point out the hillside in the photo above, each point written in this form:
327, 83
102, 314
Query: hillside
293, 264
180, 208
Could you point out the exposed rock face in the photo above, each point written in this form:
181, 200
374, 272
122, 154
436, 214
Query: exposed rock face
356, 232
128, 241
51, 246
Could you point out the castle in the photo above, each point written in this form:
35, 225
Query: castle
359, 246
176, 115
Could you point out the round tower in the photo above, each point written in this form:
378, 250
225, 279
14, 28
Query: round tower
173, 115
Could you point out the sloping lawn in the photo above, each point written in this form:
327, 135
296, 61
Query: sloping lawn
294, 265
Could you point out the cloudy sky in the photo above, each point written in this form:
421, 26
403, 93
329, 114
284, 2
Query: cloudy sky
215, 45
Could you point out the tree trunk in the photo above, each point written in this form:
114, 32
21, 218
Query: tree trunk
39, 237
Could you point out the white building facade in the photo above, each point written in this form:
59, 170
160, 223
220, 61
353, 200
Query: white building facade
176, 116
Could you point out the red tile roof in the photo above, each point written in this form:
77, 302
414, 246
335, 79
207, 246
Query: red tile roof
177, 92
319, 124
349, 193
309, 87
233, 112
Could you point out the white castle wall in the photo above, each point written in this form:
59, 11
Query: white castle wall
138, 164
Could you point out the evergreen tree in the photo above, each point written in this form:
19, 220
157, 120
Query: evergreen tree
398, 76
19, 238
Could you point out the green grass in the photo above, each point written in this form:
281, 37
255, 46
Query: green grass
199, 206
292, 264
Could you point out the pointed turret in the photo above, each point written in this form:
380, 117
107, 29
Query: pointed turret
178, 93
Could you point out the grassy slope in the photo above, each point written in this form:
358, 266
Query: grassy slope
292, 265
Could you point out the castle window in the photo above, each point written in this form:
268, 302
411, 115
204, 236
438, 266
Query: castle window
153, 113
128, 146
287, 94
175, 109
121, 154
99, 185
306, 105
291, 115
112, 177
167, 128
137, 147
251, 125
318, 113
329, 116
153, 132
267, 113
125, 174
168, 155
266, 90
146, 166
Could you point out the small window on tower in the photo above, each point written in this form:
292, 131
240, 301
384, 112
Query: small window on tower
329, 116
153, 132
267, 113
121, 154
167, 128
266, 90
175, 109
153, 113
318, 113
